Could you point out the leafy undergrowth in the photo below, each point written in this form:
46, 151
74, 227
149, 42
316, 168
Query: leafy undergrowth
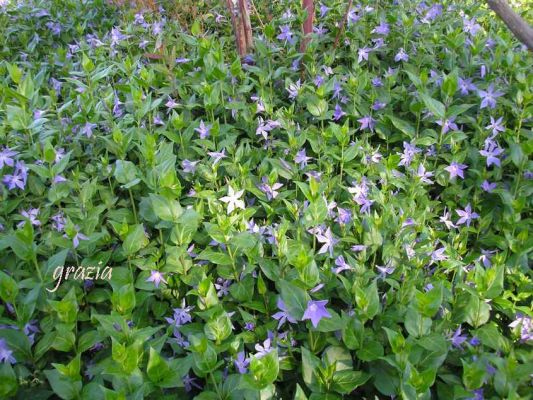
352, 222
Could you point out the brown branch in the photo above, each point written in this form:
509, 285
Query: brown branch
514, 22
247, 26
238, 28
343, 24
309, 6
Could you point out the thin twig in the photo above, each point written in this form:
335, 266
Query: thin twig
341, 30
257, 14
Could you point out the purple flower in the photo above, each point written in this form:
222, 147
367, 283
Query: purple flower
117, 36
362, 54
466, 86
302, 159
457, 339
323, 10
478, 395
249, 326
492, 151
171, 103
486, 256
203, 130
318, 81
18, 178
54, 27
489, 97
475, 341
222, 287
358, 248
409, 151
59, 221
264, 127
344, 216
445, 219
315, 311
156, 277
526, 327
179, 339
294, 89
385, 270
423, 175
241, 363
328, 241
263, 350
341, 265
283, 315
455, 169
320, 30
270, 191
6, 353
438, 255
447, 125
367, 123
382, 29
488, 187
181, 315
286, 34
157, 27
466, 215
378, 105
376, 82
189, 383
6, 157
158, 120
189, 167
352, 16
78, 236
338, 114
87, 129
470, 26
217, 156
31, 214
495, 126
401, 56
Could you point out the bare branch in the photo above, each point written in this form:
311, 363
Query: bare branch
514, 22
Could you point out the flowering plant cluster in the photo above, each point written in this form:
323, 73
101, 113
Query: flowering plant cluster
352, 222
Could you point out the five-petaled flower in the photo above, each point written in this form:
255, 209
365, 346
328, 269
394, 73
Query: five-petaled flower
233, 199
315, 311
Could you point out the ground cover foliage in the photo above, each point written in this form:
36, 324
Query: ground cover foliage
352, 222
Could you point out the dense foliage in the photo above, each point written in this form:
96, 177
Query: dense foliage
354, 222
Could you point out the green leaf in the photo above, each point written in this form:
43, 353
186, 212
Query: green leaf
8, 381
494, 281
429, 303
435, 106
371, 350
125, 171
65, 388
135, 240
310, 364
473, 375
166, 209
8, 288
157, 369
218, 328
353, 333
416, 324
295, 299
317, 107
299, 394
477, 312
347, 381
403, 126
264, 370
